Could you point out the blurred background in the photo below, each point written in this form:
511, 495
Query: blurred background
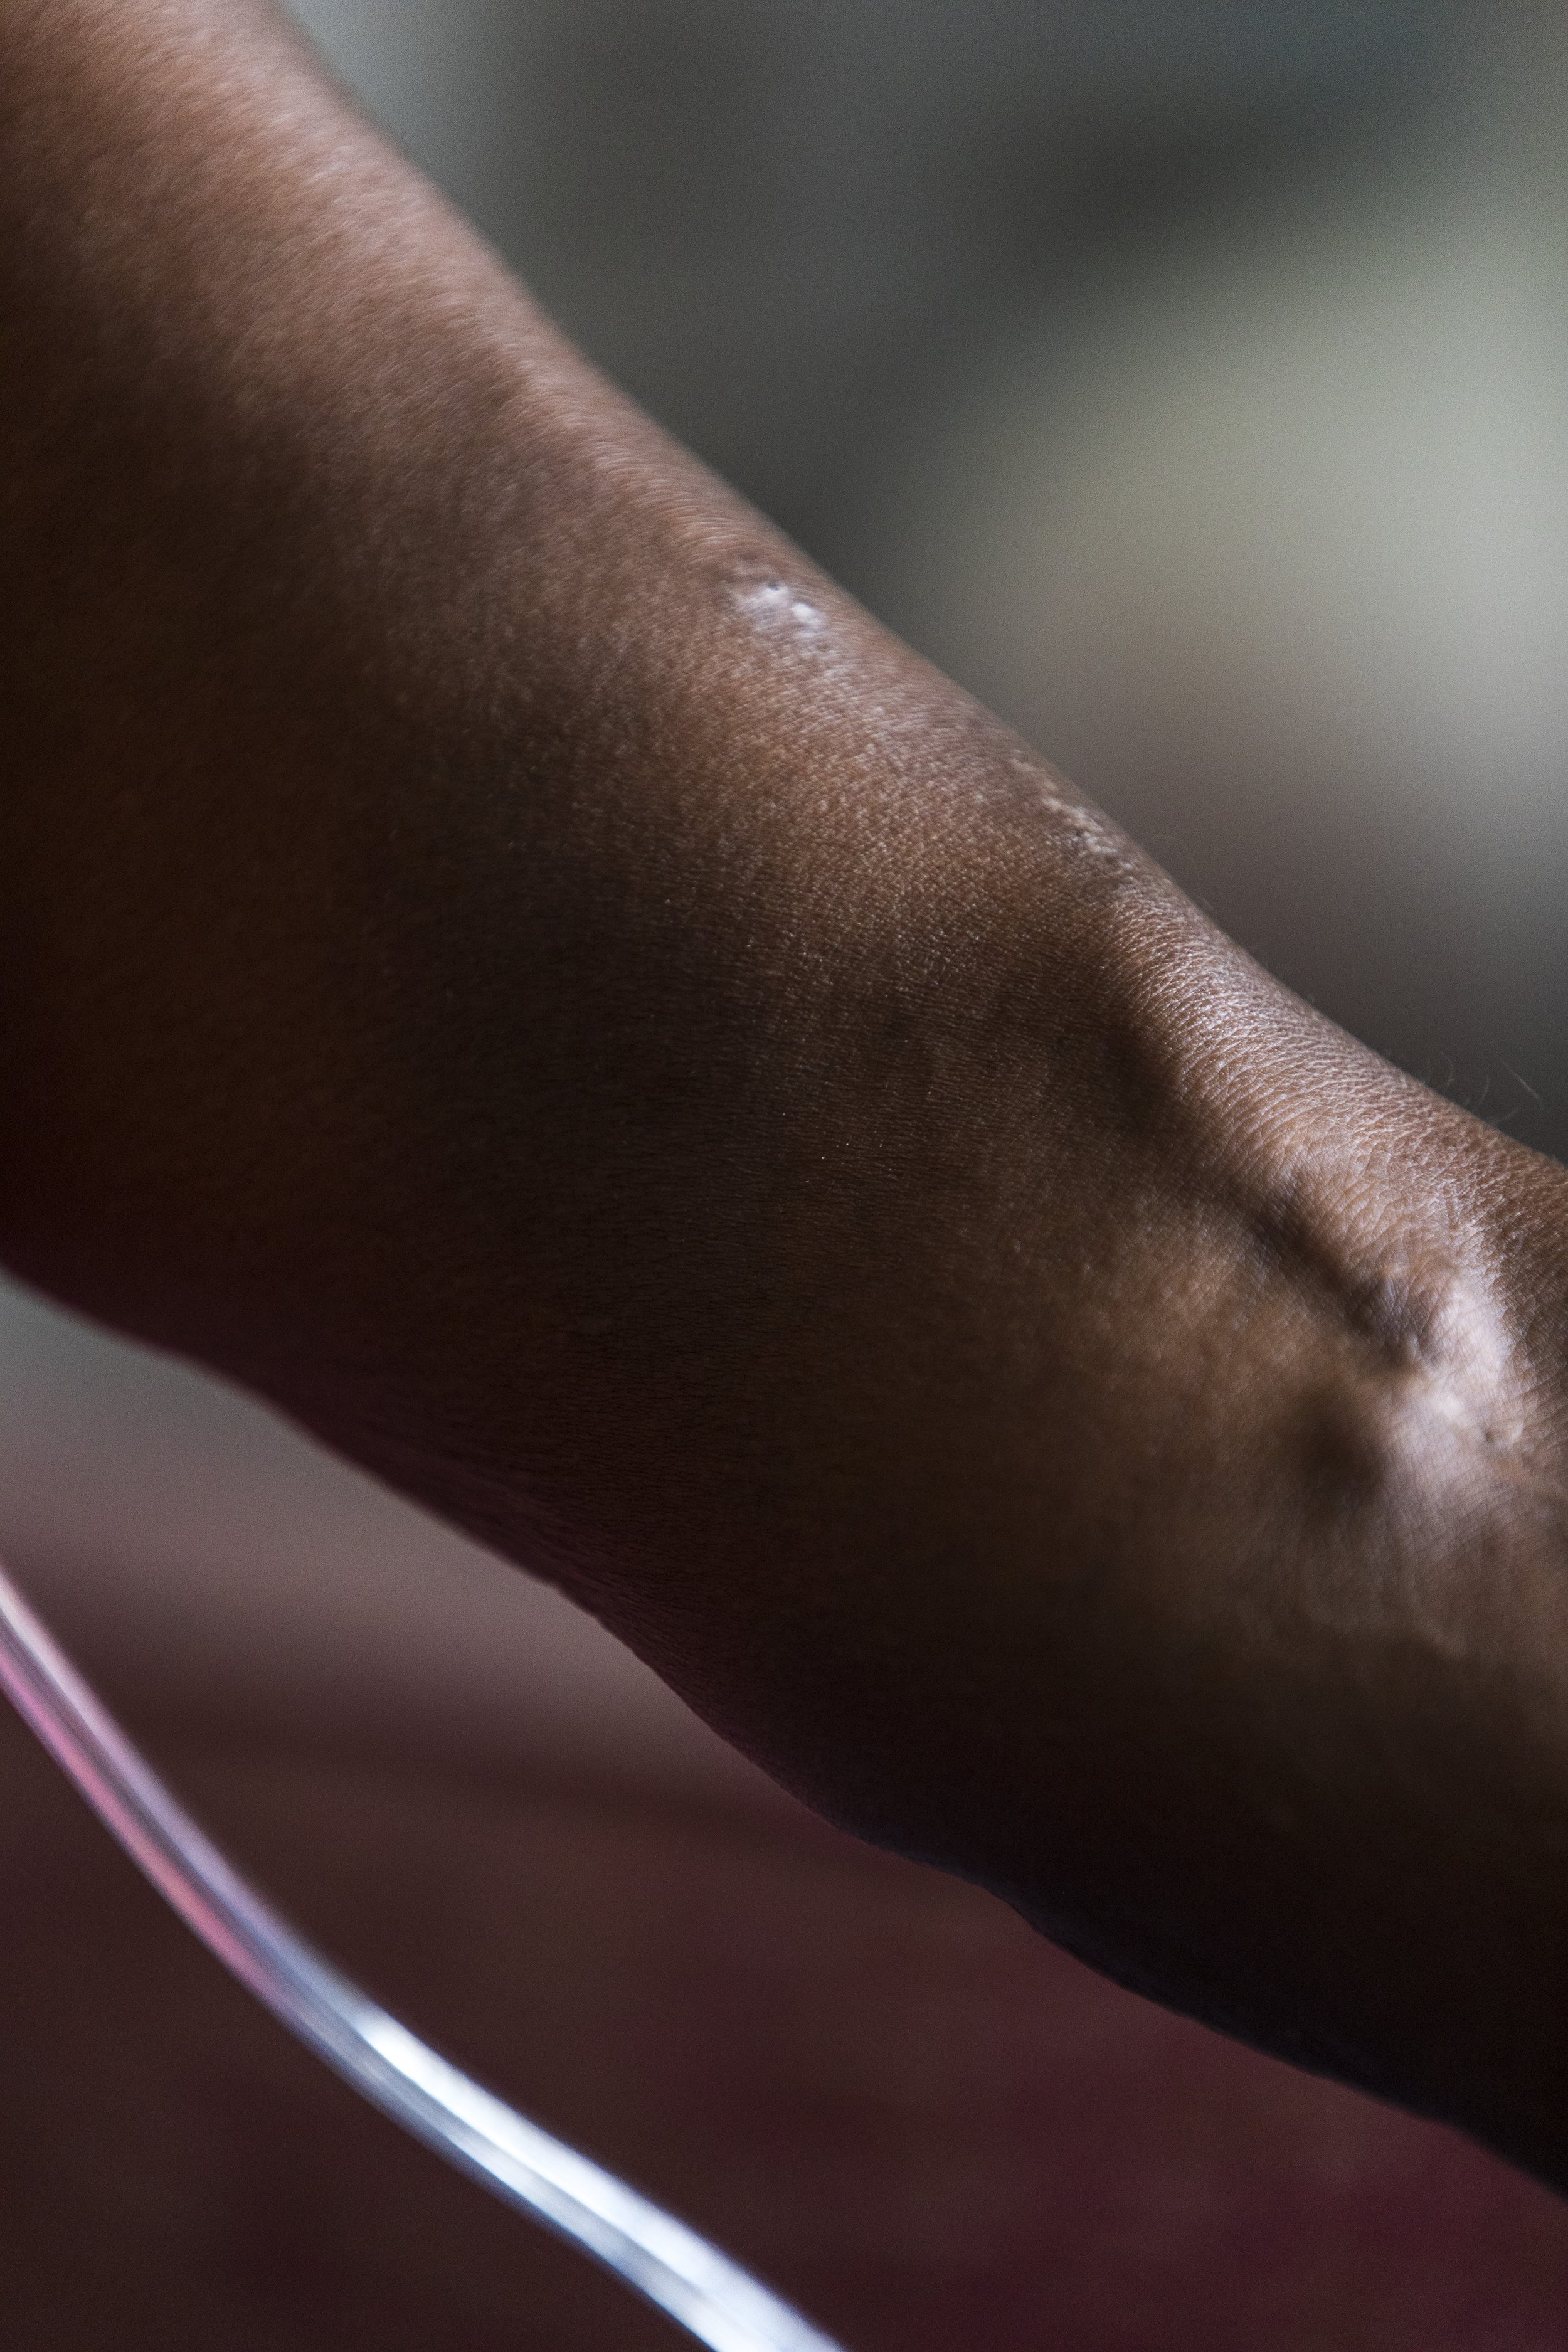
1192, 382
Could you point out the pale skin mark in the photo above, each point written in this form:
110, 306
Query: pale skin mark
502, 956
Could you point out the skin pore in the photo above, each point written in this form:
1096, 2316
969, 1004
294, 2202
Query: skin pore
503, 957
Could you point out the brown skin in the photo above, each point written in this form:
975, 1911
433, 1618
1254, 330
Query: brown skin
501, 955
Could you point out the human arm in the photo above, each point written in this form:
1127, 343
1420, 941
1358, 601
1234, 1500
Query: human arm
502, 956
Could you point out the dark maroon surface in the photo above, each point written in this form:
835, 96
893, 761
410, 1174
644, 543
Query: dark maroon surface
932, 2130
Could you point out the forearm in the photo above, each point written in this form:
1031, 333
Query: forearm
442, 813
343, 581
503, 957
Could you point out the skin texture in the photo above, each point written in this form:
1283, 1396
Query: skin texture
502, 956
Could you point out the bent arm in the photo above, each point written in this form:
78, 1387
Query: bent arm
500, 954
